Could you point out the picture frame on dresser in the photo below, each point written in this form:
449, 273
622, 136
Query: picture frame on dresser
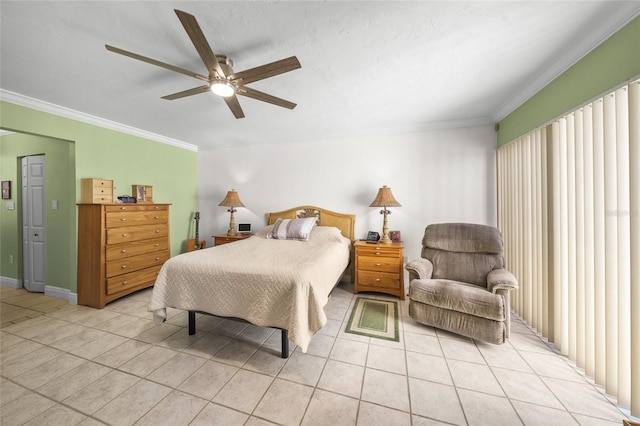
395, 236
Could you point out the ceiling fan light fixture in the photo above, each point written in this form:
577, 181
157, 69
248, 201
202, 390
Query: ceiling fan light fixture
222, 88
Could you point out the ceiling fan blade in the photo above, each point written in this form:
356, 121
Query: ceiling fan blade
157, 63
199, 41
266, 71
255, 94
190, 92
234, 106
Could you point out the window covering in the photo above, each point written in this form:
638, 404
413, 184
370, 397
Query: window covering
569, 211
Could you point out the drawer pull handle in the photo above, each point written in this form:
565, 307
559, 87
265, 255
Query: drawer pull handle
157, 231
125, 235
378, 264
123, 251
377, 254
124, 219
123, 208
125, 282
124, 267
377, 280
157, 245
157, 258
157, 217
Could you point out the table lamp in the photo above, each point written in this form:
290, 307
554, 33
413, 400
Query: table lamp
231, 200
385, 199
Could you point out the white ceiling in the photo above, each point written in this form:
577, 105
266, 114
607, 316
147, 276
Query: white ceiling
367, 67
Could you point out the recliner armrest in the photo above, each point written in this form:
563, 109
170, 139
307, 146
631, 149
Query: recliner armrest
419, 269
501, 279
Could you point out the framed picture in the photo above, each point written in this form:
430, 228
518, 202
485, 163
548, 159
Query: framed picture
395, 236
6, 189
373, 236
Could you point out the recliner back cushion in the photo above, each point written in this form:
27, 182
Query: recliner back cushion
463, 237
463, 252
470, 268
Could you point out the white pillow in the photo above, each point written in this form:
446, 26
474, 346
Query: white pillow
292, 229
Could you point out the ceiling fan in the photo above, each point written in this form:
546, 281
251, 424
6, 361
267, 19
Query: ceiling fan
221, 78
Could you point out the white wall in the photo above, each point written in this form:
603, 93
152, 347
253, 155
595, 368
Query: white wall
437, 176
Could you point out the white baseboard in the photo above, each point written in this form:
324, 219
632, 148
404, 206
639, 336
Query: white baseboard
49, 290
61, 293
10, 282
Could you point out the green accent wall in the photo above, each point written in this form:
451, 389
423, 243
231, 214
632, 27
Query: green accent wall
59, 178
74, 150
612, 63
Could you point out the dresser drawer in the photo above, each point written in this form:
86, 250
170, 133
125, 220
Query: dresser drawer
142, 278
135, 248
135, 233
379, 279
379, 264
135, 218
134, 263
131, 207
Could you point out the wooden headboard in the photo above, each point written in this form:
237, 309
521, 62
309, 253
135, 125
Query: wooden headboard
344, 222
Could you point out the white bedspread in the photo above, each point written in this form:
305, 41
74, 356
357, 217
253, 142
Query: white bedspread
272, 283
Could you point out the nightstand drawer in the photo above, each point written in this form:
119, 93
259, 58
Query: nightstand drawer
378, 279
379, 264
219, 240
378, 251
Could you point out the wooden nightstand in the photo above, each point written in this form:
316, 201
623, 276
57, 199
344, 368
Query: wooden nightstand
379, 268
218, 240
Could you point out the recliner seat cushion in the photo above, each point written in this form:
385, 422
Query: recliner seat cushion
458, 296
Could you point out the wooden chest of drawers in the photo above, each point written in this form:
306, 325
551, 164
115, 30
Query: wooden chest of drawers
379, 268
121, 248
99, 191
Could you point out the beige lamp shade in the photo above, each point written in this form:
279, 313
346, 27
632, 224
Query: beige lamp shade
231, 200
385, 199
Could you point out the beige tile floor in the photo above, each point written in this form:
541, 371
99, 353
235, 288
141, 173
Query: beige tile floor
64, 364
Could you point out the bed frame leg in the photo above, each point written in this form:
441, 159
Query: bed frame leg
192, 323
285, 344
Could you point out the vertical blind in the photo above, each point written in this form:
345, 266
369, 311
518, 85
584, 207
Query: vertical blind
569, 211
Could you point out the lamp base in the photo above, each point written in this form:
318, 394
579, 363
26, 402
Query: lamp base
232, 224
385, 228
385, 239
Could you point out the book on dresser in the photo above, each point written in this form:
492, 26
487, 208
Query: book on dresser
121, 248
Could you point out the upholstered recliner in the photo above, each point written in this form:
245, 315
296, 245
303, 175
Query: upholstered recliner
460, 284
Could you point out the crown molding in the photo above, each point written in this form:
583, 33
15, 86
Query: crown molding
581, 49
43, 106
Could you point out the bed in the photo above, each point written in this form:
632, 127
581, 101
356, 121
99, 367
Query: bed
266, 280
